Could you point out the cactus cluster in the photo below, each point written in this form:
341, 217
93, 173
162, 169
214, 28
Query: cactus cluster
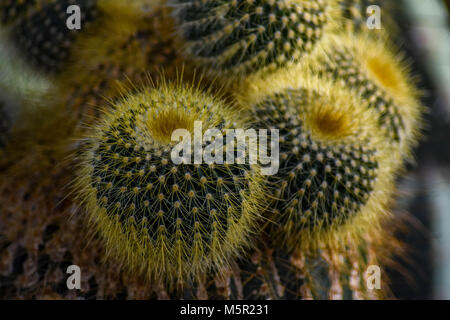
333, 163
169, 221
240, 36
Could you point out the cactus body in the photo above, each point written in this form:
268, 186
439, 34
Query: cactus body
241, 37
169, 221
334, 168
372, 70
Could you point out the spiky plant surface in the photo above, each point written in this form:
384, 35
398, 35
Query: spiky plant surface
335, 171
41, 232
240, 37
170, 221
37, 248
377, 72
49, 131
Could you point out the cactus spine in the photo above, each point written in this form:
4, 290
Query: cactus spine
170, 222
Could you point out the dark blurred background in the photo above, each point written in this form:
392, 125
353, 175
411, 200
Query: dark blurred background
424, 192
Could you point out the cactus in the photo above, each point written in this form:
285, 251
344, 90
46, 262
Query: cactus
334, 169
170, 221
373, 70
240, 37
40, 236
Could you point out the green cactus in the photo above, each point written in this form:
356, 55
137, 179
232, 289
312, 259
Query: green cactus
334, 168
5, 124
375, 71
240, 36
169, 221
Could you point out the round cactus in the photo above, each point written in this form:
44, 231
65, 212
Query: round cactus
334, 169
240, 37
372, 70
171, 222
